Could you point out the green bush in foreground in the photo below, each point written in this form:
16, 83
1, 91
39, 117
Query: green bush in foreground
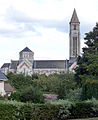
58, 110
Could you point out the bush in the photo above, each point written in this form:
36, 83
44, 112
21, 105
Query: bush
85, 109
59, 110
32, 95
27, 111
90, 89
74, 94
8, 111
15, 96
65, 106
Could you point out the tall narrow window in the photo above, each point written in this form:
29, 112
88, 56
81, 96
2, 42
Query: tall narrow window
24, 72
75, 46
74, 27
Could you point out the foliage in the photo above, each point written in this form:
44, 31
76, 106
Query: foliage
19, 81
66, 84
57, 83
15, 96
31, 95
75, 94
85, 109
34, 76
1, 97
88, 63
65, 106
58, 110
60, 84
90, 89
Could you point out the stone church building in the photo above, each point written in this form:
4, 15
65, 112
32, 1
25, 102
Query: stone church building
28, 66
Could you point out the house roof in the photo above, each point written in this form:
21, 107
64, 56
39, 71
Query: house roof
74, 18
8, 87
2, 77
40, 64
5, 65
14, 64
26, 49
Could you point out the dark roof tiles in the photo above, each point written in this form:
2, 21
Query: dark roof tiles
5, 65
58, 64
26, 49
2, 76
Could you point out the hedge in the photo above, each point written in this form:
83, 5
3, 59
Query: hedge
49, 111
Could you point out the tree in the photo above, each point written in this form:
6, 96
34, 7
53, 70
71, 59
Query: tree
32, 95
19, 81
88, 62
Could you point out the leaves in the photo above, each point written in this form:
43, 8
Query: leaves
88, 62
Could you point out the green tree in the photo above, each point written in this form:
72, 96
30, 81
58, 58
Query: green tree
19, 81
32, 95
88, 62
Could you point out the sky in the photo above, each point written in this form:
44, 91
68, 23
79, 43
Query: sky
43, 26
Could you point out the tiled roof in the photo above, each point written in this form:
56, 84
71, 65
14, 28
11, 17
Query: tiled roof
5, 65
14, 64
2, 76
8, 87
26, 49
41, 64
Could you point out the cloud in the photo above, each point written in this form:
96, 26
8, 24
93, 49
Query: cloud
42, 25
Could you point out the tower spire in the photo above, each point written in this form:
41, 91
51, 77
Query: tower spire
74, 18
74, 36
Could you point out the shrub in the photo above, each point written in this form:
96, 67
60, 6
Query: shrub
84, 109
58, 110
74, 94
90, 89
65, 106
32, 95
14, 96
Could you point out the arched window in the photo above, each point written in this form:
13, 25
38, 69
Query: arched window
74, 27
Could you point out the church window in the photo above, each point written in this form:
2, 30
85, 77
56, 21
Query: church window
24, 71
75, 46
74, 27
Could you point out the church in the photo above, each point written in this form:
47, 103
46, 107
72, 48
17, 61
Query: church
28, 66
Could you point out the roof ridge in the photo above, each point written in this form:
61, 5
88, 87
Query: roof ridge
26, 49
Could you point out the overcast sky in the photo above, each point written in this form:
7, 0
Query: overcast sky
43, 26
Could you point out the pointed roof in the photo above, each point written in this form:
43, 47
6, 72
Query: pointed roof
26, 49
74, 18
2, 76
5, 65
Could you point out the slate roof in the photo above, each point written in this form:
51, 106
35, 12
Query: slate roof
44, 64
74, 18
14, 64
2, 76
26, 49
5, 65
72, 60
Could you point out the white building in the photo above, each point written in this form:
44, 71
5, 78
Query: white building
3, 78
28, 66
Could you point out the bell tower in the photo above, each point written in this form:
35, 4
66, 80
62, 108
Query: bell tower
74, 36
